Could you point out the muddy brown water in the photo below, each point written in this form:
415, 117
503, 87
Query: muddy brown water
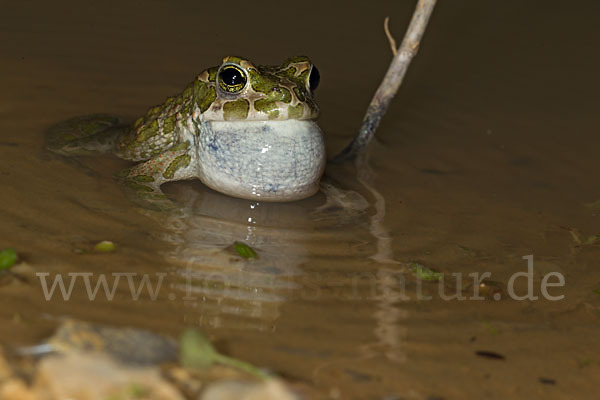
487, 154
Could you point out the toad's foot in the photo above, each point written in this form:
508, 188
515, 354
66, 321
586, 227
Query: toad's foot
85, 135
142, 182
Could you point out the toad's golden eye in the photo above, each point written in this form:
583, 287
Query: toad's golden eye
232, 79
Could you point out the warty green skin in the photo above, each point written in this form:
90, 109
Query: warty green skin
172, 139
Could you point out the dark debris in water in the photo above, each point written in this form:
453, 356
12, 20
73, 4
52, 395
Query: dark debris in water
547, 381
490, 355
488, 289
467, 250
491, 289
358, 376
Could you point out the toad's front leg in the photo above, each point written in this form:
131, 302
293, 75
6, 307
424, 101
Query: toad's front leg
142, 182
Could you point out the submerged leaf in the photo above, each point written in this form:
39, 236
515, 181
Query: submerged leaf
244, 250
8, 258
422, 272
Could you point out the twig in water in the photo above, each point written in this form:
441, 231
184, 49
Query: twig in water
386, 28
391, 81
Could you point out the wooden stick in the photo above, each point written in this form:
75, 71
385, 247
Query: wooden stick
391, 81
386, 28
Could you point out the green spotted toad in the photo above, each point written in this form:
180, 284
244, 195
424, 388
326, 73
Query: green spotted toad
244, 130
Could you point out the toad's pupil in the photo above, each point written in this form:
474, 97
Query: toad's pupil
232, 76
315, 77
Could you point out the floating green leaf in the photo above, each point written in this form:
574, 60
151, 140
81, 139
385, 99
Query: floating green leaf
105, 246
244, 250
196, 351
422, 272
8, 258
596, 291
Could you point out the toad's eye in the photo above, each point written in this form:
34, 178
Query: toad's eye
232, 78
314, 78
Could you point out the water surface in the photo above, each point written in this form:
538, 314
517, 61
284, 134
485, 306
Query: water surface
488, 154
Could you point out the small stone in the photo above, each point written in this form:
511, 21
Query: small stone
24, 270
85, 376
271, 389
15, 389
127, 345
5, 370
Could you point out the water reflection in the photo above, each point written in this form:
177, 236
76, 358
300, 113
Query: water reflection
218, 286
298, 244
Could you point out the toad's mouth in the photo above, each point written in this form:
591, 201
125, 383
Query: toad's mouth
262, 160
